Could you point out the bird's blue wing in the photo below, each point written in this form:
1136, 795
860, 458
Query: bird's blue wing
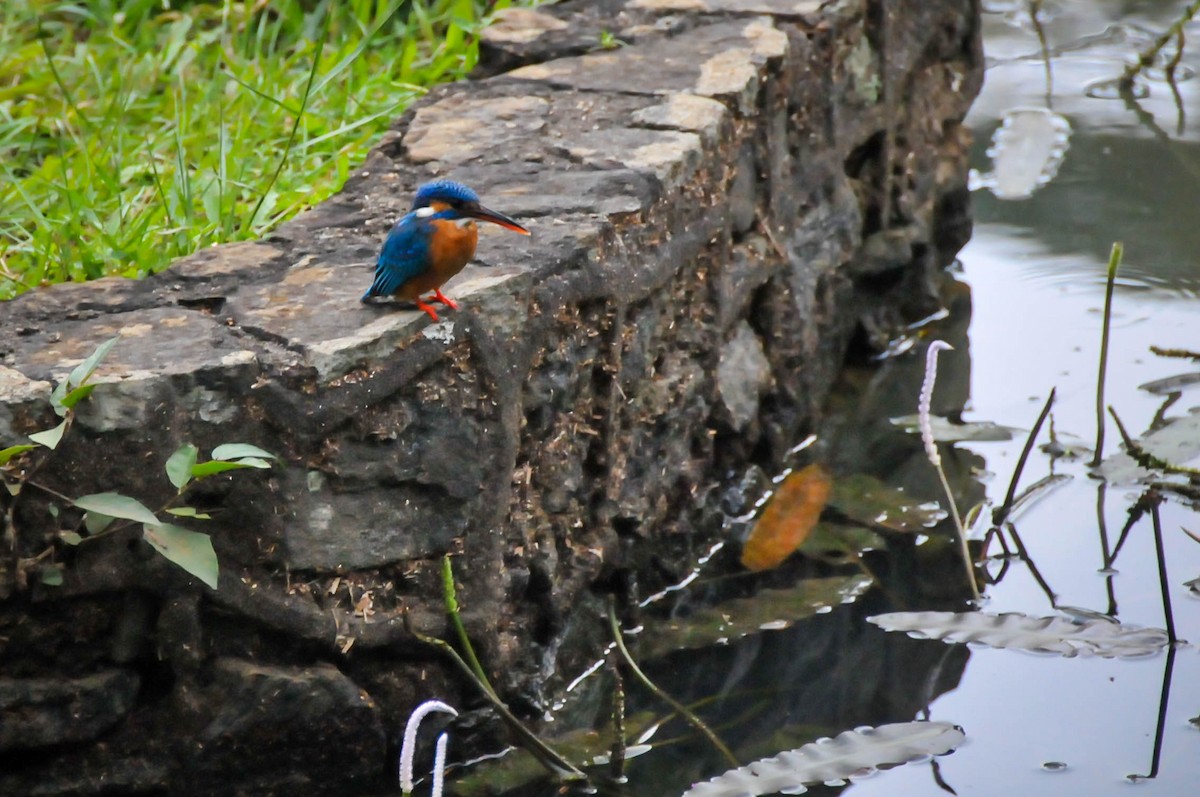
405, 255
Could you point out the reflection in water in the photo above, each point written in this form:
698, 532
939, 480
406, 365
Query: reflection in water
774, 660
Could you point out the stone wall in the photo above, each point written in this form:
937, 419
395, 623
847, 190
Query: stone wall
720, 205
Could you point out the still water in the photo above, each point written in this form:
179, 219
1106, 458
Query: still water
1027, 306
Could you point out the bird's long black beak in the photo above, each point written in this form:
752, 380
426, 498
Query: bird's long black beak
484, 214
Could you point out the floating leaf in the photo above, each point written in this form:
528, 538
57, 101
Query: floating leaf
768, 610
849, 754
1172, 384
179, 465
190, 550
1069, 638
946, 432
116, 505
1178, 442
211, 467
50, 438
869, 501
838, 543
239, 450
791, 513
189, 511
9, 453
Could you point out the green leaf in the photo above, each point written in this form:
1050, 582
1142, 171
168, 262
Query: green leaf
49, 438
70, 537
240, 450
95, 522
179, 466
189, 511
190, 550
75, 396
85, 369
14, 451
219, 466
116, 505
51, 575
56, 398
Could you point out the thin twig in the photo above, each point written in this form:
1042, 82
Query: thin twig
679, 708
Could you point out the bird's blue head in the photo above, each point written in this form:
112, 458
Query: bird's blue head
446, 199
446, 192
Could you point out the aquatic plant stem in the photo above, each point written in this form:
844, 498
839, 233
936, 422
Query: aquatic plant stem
1164, 701
924, 403
1114, 263
1147, 57
616, 756
1146, 459
451, 599
1163, 584
546, 755
678, 707
1001, 514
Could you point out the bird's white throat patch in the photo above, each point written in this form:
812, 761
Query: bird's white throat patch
424, 213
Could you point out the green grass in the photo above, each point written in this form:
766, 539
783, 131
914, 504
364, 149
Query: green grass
136, 131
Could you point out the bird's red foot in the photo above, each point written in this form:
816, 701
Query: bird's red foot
444, 299
428, 309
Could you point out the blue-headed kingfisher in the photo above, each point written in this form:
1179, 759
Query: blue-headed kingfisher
432, 243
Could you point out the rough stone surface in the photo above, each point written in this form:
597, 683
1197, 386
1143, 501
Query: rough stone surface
719, 205
743, 375
43, 712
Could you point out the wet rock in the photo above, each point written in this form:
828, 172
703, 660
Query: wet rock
743, 376
275, 728
44, 712
706, 182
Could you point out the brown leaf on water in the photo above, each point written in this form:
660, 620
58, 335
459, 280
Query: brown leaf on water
790, 516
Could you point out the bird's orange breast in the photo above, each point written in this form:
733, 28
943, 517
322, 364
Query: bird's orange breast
451, 247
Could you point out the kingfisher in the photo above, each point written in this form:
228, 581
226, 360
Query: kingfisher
432, 243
